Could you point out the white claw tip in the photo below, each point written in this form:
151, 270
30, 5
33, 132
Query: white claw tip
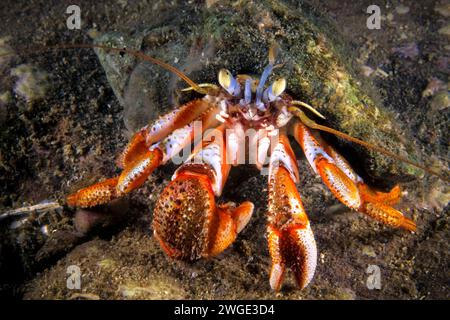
276, 277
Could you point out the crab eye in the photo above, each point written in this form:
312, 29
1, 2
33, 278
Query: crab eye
228, 82
277, 88
225, 78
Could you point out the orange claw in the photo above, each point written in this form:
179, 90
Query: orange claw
360, 197
182, 236
96, 194
230, 222
294, 247
290, 238
187, 222
370, 195
189, 225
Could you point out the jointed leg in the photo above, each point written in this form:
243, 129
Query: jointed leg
346, 185
140, 158
96, 194
136, 146
132, 177
177, 119
367, 193
291, 240
163, 127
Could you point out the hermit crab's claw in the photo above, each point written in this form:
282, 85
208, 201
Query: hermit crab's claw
291, 242
290, 238
187, 221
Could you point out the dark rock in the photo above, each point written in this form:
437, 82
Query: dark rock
57, 245
102, 218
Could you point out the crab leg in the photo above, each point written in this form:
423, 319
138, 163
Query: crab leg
140, 159
187, 221
162, 127
95, 194
290, 238
346, 185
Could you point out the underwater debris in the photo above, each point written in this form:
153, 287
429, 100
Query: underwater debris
440, 101
410, 50
443, 9
32, 83
369, 251
5, 99
38, 209
402, 9
434, 85
158, 288
445, 30
5, 49
84, 296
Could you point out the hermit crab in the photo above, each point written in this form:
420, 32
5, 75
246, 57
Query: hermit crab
187, 220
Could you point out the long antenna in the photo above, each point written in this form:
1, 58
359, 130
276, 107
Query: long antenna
135, 53
312, 124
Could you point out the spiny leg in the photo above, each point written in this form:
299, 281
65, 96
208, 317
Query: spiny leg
366, 192
346, 185
95, 194
162, 127
132, 177
137, 171
290, 238
142, 165
140, 159
178, 118
187, 221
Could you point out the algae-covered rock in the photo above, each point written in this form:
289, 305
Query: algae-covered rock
236, 36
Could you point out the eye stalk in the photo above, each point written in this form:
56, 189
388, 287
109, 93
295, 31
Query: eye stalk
275, 89
248, 91
228, 82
